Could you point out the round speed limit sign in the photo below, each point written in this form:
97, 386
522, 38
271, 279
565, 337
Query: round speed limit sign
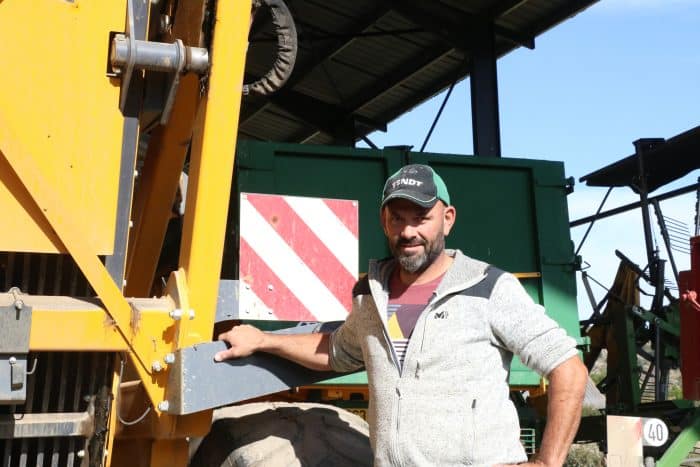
654, 432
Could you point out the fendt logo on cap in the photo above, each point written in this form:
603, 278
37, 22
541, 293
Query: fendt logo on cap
405, 181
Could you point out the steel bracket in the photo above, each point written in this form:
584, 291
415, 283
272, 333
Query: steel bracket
128, 54
15, 324
196, 382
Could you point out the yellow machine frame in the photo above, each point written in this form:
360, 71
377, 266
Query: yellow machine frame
57, 191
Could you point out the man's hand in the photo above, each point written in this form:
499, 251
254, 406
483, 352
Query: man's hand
309, 350
244, 340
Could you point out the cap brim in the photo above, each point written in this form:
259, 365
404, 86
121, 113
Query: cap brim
410, 196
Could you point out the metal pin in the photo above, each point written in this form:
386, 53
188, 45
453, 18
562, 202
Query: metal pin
176, 314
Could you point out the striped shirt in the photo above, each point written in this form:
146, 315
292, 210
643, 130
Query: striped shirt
406, 303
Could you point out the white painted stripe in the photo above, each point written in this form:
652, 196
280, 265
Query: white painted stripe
280, 258
328, 228
250, 306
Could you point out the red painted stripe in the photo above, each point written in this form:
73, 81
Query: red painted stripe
346, 212
304, 242
255, 273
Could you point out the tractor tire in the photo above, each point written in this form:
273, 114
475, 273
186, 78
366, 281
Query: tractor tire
270, 434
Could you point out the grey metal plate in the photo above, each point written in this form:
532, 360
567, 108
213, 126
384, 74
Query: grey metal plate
197, 382
227, 301
14, 329
13, 378
33, 425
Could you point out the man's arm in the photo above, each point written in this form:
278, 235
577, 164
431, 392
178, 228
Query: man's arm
309, 350
567, 384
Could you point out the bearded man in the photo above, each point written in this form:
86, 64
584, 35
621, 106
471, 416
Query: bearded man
436, 332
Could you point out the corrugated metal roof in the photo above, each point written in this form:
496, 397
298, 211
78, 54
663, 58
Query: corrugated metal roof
363, 63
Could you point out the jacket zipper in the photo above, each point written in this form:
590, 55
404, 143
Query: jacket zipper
382, 315
394, 440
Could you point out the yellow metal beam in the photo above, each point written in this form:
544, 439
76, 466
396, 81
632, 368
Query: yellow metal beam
57, 101
154, 198
165, 158
211, 169
73, 324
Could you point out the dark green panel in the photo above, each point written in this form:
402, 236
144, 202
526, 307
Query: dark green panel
510, 212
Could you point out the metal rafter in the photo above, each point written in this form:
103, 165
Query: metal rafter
326, 117
454, 25
505, 7
406, 70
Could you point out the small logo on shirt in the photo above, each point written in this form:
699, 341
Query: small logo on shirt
441, 315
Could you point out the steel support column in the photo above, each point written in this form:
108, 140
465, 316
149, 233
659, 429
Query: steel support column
484, 91
116, 262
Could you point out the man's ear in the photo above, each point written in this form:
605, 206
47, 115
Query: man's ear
449, 217
382, 213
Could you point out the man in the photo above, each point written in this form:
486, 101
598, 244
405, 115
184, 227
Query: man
436, 332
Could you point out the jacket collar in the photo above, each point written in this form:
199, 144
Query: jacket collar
464, 272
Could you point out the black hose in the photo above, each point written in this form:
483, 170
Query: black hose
286, 50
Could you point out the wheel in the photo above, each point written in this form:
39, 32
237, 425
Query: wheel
283, 434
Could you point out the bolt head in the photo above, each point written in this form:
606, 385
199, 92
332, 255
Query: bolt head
156, 366
176, 314
163, 406
191, 314
169, 358
80, 453
12, 360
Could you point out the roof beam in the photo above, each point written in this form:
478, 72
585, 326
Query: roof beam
397, 77
326, 117
453, 25
505, 7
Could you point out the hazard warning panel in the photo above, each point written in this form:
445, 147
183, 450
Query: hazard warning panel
298, 257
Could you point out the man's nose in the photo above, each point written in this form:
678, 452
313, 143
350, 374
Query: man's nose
408, 231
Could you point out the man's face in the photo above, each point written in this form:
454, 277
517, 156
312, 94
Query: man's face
416, 235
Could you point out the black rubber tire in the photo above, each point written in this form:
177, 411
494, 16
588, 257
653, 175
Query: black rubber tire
274, 434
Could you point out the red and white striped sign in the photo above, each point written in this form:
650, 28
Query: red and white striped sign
298, 257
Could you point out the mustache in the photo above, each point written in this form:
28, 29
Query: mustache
410, 243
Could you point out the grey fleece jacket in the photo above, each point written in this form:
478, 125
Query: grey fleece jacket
450, 404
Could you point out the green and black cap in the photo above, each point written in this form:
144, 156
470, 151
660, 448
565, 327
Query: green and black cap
417, 183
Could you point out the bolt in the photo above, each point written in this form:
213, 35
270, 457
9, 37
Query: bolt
190, 314
156, 366
12, 360
80, 453
19, 304
163, 406
136, 173
169, 358
176, 314
131, 224
270, 287
164, 23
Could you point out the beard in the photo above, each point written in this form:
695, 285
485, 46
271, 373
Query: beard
418, 262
